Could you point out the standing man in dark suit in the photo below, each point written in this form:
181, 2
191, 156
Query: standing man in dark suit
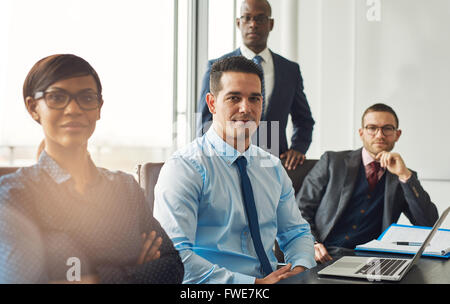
282, 88
350, 197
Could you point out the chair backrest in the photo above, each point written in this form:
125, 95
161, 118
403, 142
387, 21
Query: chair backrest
298, 175
148, 176
7, 170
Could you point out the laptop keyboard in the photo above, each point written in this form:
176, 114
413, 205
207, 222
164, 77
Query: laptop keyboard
385, 267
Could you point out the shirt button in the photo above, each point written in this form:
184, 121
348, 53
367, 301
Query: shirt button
362, 211
368, 196
354, 227
347, 237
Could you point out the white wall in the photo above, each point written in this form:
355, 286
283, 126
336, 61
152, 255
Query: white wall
320, 40
404, 61
343, 60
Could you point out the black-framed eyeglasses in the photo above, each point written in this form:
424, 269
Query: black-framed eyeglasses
59, 99
260, 19
387, 130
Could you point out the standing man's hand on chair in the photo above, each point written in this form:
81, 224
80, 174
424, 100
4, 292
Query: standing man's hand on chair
293, 159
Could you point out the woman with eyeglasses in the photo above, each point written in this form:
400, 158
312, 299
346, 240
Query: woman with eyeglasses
64, 219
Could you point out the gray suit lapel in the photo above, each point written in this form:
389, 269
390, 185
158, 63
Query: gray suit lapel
391, 185
352, 165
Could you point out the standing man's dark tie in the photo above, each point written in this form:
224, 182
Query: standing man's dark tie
258, 59
252, 215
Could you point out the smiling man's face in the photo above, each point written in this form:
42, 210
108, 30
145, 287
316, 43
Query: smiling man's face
237, 107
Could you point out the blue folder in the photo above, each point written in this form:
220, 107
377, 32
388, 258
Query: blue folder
404, 252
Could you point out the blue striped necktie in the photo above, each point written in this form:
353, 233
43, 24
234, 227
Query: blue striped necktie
252, 215
258, 59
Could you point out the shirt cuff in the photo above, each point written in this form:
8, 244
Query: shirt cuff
302, 148
239, 278
307, 263
404, 180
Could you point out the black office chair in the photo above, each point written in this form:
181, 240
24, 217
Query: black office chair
148, 176
7, 170
297, 176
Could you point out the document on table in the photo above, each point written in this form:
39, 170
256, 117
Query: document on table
439, 245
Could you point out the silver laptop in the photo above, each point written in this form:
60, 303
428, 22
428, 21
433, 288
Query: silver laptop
376, 269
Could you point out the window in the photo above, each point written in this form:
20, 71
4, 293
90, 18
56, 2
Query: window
129, 43
221, 27
149, 55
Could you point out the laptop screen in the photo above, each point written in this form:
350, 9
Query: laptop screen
429, 237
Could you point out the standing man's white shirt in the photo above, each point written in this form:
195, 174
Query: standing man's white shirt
268, 69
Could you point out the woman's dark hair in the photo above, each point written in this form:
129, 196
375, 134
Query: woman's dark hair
231, 64
55, 68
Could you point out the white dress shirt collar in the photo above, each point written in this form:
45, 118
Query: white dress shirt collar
228, 153
249, 54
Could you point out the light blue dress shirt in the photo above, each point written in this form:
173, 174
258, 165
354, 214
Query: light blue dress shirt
199, 203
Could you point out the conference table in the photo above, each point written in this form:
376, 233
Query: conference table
428, 270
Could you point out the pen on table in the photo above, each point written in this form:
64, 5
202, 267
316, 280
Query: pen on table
408, 243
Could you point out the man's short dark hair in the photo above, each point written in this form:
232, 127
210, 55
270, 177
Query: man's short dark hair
231, 64
379, 107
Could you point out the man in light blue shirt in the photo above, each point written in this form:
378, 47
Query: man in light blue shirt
199, 198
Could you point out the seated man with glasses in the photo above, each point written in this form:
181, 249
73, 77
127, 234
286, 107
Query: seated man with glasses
350, 197
282, 89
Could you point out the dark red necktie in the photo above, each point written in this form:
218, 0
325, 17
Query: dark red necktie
372, 177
